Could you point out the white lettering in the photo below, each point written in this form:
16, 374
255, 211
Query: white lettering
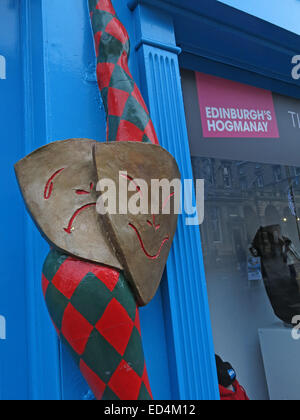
246, 114
260, 115
106, 203
269, 115
238, 126
246, 127
233, 114
169, 189
114, 410
2, 328
296, 69
240, 120
197, 212
260, 127
208, 112
215, 112
229, 126
2, 67
138, 203
295, 119
293, 115
211, 125
296, 329
220, 125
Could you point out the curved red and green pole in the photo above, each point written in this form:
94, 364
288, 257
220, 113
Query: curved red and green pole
92, 306
128, 117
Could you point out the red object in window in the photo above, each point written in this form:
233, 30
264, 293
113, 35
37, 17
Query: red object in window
239, 394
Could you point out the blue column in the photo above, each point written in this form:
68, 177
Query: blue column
42, 344
185, 295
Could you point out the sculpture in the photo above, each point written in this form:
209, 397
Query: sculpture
102, 267
279, 258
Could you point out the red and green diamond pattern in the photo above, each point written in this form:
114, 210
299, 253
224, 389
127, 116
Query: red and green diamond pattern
96, 317
128, 118
92, 306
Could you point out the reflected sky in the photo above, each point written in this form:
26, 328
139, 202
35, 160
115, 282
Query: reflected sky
285, 14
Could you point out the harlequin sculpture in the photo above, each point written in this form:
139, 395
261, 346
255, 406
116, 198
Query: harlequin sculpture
101, 268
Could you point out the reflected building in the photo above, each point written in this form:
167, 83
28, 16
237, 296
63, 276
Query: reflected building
239, 198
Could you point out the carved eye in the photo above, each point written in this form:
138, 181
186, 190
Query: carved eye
49, 185
84, 192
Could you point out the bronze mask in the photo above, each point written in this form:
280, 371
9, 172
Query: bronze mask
142, 241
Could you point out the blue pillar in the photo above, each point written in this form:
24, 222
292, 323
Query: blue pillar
42, 344
186, 295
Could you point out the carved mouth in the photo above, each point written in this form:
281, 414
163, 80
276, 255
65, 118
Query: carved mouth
70, 227
152, 257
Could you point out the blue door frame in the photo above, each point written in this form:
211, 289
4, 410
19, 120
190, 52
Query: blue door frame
230, 44
13, 325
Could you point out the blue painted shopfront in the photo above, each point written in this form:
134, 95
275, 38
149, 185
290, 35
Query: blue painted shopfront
48, 92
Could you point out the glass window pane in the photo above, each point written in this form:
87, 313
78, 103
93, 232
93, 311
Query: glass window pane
251, 230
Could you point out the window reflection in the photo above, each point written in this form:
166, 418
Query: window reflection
260, 194
247, 292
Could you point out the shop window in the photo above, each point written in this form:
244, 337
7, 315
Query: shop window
208, 171
252, 224
227, 176
244, 183
216, 224
260, 181
297, 173
277, 173
241, 168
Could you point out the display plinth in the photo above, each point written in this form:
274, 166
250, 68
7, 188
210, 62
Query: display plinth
281, 361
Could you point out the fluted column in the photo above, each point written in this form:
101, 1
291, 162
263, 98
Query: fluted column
185, 295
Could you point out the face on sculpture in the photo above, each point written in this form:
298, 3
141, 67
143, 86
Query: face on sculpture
58, 183
74, 185
152, 231
142, 241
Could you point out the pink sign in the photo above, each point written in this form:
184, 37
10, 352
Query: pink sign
231, 109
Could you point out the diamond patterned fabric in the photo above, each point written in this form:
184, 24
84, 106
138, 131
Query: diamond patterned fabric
96, 317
